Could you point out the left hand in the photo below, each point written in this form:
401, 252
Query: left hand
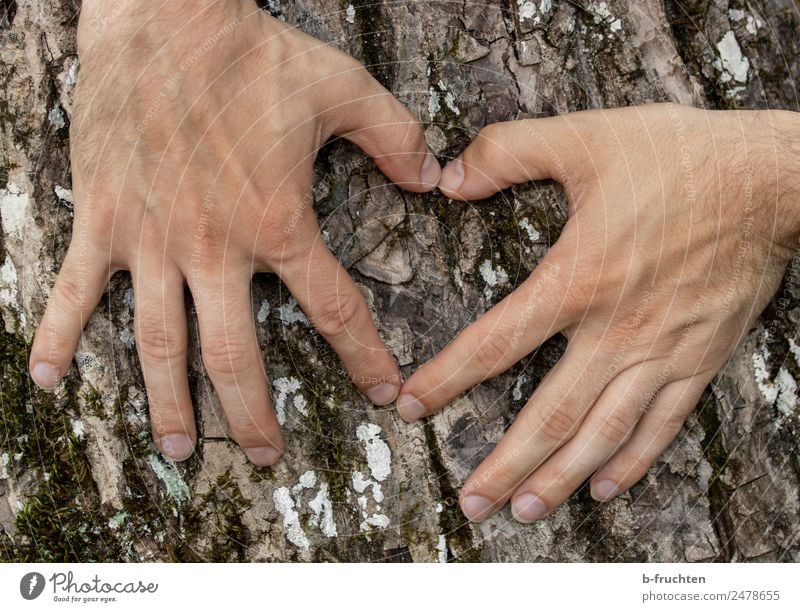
681, 222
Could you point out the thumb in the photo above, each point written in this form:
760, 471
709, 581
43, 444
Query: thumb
509, 153
368, 115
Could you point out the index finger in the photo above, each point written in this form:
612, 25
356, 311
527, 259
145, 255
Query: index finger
537, 310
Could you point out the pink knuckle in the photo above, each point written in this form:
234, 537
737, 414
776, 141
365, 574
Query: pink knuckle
338, 315
616, 426
490, 352
557, 423
227, 356
159, 342
71, 292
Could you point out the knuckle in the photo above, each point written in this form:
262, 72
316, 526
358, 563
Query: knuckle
70, 292
556, 423
615, 426
337, 315
227, 356
489, 352
158, 341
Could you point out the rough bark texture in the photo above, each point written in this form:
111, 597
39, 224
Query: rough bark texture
79, 477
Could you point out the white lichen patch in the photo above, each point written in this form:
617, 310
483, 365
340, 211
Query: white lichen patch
5, 461
263, 312
300, 404
736, 15
284, 504
322, 507
306, 481
8, 284
116, 521
767, 388
176, 487
516, 394
379, 457
379, 461
533, 234
286, 387
350, 14
732, 63
782, 391
290, 313
56, 117
787, 392
78, 429
449, 98
795, 350
289, 503
434, 105
492, 276
127, 337
64, 195
528, 11
441, 548
14, 205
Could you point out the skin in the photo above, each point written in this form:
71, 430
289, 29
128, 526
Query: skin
681, 224
204, 193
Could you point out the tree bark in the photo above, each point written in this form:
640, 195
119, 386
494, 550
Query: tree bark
79, 476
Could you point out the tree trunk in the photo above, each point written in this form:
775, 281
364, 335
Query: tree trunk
79, 476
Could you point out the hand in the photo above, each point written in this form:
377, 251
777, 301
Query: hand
681, 222
193, 138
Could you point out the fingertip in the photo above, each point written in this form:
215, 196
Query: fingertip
604, 490
528, 508
452, 179
45, 375
410, 408
176, 447
477, 508
263, 456
431, 172
382, 394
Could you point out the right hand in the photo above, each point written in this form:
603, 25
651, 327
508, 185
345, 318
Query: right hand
193, 138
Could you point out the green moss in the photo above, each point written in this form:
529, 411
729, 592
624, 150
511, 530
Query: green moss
372, 25
216, 517
62, 520
719, 491
452, 522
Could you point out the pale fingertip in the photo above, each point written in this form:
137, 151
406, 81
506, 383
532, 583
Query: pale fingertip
177, 447
452, 176
46, 375
410, 408
264, 455
527, 508
476, 508
431, 171
604, 490
382, 394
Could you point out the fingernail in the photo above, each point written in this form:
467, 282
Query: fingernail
604, 490
476, 508
528, 508
410, 408
452, 175
431, 171
264, 455
177, 447
45, 375
383, 394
